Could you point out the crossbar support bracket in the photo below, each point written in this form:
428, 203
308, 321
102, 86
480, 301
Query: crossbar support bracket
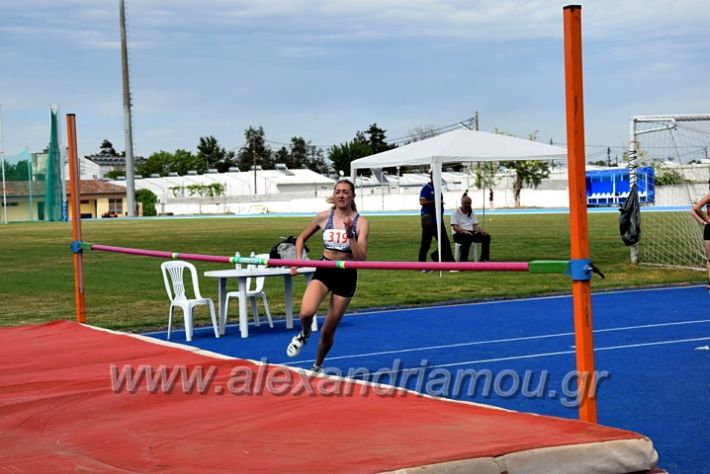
78, 246
580, 269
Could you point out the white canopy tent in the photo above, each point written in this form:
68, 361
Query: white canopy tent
458, 146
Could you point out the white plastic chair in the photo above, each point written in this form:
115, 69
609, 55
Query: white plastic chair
253, 293
173, 278
457, 250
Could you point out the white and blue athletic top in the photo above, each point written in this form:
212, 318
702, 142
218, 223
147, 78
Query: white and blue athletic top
337, 239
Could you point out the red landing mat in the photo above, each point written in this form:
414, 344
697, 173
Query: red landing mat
60, 413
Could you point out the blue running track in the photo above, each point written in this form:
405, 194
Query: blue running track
652, 358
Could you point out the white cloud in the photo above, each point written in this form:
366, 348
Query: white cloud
325, 68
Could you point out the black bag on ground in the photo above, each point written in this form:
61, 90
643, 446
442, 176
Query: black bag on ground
629, 220
286, 249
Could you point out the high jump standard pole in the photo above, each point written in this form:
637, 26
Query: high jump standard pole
579, 231
75, 176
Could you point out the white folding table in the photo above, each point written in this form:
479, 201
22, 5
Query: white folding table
241, 275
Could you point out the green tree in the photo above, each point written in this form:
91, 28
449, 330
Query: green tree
376, 139
485, 174
215, 156
183, 161
529, 172
303, 154
20, 171
315, 160
366, 143
159, 162
298, 153
107, 148
148, 199
342, 155
666, 177
114, 174
254, 151
283, 156
164, 162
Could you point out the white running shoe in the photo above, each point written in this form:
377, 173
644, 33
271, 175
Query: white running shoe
297, 343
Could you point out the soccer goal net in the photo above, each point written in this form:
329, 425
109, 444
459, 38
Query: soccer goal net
676, 146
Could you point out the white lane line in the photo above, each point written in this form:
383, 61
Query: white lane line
496, 341
518, 300
548, 354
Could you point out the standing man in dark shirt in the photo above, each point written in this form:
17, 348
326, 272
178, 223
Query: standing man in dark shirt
428, 220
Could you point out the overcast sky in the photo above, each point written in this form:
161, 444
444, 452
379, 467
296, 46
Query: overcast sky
323, 69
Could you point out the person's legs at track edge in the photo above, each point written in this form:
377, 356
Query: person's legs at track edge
336, 309
312, 298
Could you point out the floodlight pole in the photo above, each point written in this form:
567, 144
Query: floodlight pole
579, 231
127, 121
75, 176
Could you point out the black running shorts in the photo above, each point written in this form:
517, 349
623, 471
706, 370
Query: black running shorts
341, 282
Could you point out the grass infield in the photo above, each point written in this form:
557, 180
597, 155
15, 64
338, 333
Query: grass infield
127, 293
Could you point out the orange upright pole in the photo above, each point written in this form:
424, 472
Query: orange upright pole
74, 176
579, 232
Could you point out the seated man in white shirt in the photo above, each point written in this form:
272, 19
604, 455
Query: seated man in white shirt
466, 230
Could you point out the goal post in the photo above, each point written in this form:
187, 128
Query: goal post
676, 146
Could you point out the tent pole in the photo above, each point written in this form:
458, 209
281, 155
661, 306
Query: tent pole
579, 232
483, 196
436, 182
